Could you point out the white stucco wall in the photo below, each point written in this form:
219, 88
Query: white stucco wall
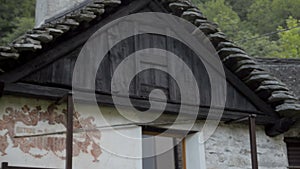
229, 147
91, 149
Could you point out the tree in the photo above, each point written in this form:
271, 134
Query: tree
10, 13
286, 8
256, 45
222, 14
265, 16
21, 25
261, 17
289, 41
247, 21
240, 7
230, 23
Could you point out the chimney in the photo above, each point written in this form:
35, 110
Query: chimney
46, 9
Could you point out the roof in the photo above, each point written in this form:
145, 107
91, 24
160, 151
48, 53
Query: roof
287, 70
269, 88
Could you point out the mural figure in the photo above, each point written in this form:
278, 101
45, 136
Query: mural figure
85, 141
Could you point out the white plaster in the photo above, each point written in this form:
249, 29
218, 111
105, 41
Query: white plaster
109, 141
195, 152
229, 146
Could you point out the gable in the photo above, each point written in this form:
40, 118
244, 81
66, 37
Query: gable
59, 74
252, 88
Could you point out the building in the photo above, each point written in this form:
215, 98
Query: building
36, 105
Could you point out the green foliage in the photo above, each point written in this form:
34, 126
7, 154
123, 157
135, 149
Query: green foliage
254, 46
247, 22
286, 8
260, 18
267, 15
235, 29
221, 13
243, 21
21, 25
13, 14
241, 7
289, 41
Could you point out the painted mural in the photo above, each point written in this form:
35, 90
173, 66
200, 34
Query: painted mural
20, 128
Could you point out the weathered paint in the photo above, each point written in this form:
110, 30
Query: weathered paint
229, 147
17, 123
32, 134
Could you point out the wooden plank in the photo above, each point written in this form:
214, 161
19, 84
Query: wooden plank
68, 44
1, 88
51, 93
69, 138
75, 42
61, 77
234, 80
248, 93
253, 145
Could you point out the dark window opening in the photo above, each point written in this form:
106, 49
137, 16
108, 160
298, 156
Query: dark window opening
293, 151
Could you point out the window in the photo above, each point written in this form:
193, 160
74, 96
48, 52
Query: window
293, 150
189, 153
174, 158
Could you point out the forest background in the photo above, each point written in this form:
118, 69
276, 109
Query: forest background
264, 28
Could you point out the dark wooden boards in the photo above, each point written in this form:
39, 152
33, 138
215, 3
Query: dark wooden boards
51, 93
59, 73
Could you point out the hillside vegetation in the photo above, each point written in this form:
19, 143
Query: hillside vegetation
264, 28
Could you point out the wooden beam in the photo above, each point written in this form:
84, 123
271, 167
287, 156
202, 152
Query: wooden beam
242, 119
63, 99
34, 91
248, 93
51, 93
5, 165
69, 139
1, 88
252, 131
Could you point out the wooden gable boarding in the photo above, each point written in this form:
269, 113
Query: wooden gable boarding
43, 68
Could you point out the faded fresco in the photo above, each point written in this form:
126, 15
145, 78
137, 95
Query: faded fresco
20, 129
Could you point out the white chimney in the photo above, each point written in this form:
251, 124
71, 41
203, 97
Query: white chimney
46, 9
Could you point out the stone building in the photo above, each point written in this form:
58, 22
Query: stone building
46, 122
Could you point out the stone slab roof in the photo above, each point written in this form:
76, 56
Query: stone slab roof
287, 70
268, 87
